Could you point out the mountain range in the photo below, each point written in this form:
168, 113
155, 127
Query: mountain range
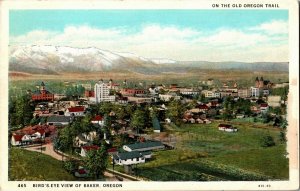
50, 59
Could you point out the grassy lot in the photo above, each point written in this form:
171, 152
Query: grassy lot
33, 166
204, 153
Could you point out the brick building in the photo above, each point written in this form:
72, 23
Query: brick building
42, 94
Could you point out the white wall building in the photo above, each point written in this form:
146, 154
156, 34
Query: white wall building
167, 97
102, 93
255, 92
188, 91
129, 158
211, 94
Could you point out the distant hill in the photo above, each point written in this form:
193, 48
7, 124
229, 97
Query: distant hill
254, 66
57, 59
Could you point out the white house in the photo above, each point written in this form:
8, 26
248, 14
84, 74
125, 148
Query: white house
167, 97
144, 146
188, 91
128, 158
86, 149
90, 136
265, 92
39, 134
227, 128
80, 140
264, 107
98, 119
17, 140
75, 111
211, 94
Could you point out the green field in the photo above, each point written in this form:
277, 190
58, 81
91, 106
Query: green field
34, 166
204, 153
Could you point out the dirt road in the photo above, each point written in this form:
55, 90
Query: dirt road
47, 149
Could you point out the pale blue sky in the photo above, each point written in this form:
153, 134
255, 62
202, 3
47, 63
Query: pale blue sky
192, 34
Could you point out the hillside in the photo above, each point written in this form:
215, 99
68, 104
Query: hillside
33, 166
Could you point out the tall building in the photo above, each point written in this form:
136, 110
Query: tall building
255, 92
42, 94
244, 92
101, 91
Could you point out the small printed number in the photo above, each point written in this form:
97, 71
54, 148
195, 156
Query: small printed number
264, 186
22, 185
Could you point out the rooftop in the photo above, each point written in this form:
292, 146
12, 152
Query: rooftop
147, 144
127, 155
76, 109
97, 118
58, 118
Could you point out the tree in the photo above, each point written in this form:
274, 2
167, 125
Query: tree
175, 111
267, 141
282, 135
96, 162
138, 120
64, 140
120, 112
129, 109
86, 125
105, 108
70, 166
22, 110
228, 108
202, 98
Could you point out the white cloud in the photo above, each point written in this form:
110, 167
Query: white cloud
172, 42
273, 27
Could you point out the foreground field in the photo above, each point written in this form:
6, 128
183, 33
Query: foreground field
33, 166
204, 153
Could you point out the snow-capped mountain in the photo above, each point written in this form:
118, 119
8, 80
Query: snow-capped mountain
55, 59
163, 61
59, 59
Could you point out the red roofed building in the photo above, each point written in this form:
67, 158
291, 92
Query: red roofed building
203, 108
98, 119
42, 94
20, 139
16, 140
131, 91
85, 149
264, 107
81, 173
75, 111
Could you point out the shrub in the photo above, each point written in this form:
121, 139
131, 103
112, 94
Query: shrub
267, 141
70, 166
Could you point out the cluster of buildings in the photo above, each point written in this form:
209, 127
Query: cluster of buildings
32, 135
113, 92
60, 113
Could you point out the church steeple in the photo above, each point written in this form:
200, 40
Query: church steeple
42, 88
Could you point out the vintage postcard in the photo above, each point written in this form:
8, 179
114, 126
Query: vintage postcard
149, 95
